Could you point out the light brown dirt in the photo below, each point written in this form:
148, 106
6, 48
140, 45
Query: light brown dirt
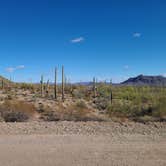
82, 144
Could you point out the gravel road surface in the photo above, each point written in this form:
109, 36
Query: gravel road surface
82, 144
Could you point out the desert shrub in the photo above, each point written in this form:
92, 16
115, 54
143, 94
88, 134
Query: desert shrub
145, 119
159, 109
81, 105
16, 111
101, 103
135, 101
104, 91
78, 94
40, 108
27, 86
20, 106
75, 112
50, 116
14, 116
119, 109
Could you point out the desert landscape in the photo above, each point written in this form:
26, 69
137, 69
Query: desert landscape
73, 124
82, 83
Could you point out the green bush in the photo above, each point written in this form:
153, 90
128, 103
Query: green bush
119, 109
101, 103
160, 109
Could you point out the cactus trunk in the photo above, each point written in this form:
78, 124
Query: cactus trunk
63, 95
55, 84
42, 86
94, 88
47, 88
111, 95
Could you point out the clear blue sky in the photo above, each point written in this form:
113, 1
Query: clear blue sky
103, 38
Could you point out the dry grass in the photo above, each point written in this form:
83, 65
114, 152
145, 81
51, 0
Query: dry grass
74, 112
16, 111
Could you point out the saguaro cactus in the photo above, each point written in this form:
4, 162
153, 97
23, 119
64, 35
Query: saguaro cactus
55, 84
63, 94
111, 95
94, 87
47, 88
42, 86
70, 87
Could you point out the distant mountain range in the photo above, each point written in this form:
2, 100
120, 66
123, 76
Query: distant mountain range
140, 80
146, 80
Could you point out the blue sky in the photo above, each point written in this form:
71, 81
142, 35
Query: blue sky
109, 39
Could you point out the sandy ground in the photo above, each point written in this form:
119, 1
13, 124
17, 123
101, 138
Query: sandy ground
82, 144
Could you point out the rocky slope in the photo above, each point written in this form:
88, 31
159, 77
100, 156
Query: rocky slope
146, 80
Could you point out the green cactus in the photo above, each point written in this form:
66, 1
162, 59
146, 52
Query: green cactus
47, 88
94, 88
42, 86
63, 94
111, 94
55, 84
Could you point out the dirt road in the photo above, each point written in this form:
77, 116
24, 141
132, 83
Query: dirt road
72, 149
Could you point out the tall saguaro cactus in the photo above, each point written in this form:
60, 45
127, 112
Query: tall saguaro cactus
111, 95
47, 88
70, 87
55, 84
94, 87
42, 86
63, 87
